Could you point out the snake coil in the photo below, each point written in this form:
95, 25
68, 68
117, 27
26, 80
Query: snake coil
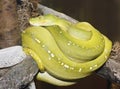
63, 50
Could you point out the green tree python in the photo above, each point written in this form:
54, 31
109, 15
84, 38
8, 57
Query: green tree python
64, 51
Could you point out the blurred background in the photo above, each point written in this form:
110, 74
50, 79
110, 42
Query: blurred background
103, 15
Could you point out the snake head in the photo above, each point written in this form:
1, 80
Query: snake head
46, 20
49, 20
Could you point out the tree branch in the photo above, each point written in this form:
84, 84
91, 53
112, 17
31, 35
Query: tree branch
111, 69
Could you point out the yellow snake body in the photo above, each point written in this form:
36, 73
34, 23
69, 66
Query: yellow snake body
66, 51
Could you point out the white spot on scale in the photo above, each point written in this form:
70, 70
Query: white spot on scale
80, 69
23, 31
66, 66
62, 63
95, 65
72, 68
49, 58
68, 44
43, 46
49, 51
60, 32
37, 40
106, 57
106, 51
52, 55
91, 68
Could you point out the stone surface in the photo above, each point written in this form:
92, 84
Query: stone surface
19, 73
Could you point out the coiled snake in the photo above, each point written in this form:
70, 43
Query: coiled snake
63, 50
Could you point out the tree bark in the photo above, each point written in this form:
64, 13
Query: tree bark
9, 32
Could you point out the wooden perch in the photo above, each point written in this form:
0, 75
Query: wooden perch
111, 69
